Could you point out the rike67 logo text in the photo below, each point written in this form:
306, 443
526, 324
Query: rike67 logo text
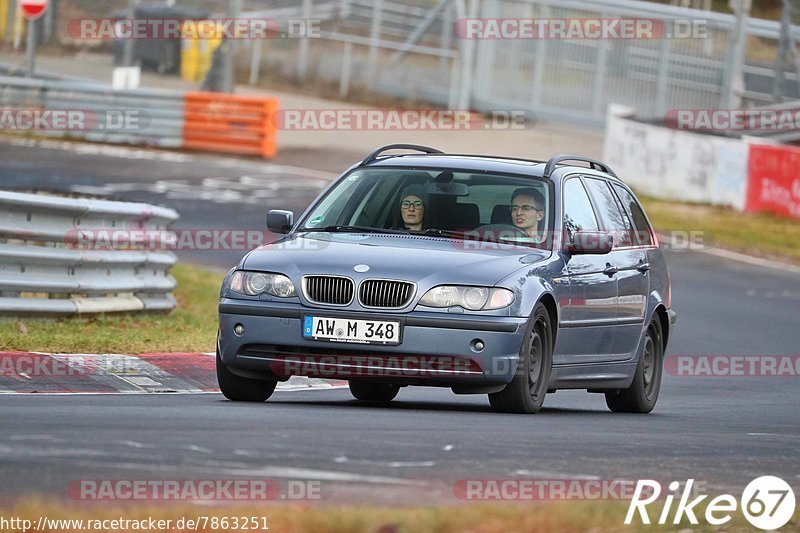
768, 503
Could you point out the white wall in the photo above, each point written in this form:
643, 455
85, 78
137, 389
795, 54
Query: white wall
673, 164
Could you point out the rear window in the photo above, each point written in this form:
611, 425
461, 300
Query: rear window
643, 235
614, 218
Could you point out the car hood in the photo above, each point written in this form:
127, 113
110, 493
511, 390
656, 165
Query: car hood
422, 259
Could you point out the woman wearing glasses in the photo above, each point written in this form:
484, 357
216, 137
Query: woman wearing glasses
527, 210
413, 203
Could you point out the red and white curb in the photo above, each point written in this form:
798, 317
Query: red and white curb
34, 372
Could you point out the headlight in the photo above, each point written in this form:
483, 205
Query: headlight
472, 298
255, 283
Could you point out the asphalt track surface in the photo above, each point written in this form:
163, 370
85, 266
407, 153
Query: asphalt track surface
722, 431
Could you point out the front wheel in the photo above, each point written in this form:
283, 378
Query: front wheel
526, 392
241, 389
642, 395
373, 392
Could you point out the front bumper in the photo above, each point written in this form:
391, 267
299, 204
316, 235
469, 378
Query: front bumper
436, 349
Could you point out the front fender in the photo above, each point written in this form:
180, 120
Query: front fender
531, 283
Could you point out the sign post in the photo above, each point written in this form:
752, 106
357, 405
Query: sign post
32, 10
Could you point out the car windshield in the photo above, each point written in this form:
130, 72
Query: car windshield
440, 202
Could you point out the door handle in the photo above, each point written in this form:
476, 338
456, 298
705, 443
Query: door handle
610, 270
643, 267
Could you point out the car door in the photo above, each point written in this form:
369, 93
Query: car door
589, 320
630, 260
643, 245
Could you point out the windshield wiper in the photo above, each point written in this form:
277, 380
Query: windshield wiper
444, 233
467, 235
354, 229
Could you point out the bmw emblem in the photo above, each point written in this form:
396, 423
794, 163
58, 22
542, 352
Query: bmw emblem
361, 268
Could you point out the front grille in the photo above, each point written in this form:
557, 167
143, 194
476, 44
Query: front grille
328, 289
385, 294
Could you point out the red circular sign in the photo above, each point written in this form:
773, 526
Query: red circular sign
33, 9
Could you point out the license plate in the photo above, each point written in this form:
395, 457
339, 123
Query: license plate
348, 330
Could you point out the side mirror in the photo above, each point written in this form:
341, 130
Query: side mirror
591, 242
280, 221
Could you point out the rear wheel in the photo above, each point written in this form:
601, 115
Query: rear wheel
642, 395
526, 392
241, 389
373, 392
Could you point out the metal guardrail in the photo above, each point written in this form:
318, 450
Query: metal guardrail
142, 116
56, 258
162, 118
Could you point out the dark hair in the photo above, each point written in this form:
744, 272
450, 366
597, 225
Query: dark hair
537, 196
416, 190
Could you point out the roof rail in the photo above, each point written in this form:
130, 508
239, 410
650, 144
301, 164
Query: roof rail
558, 159
374, 155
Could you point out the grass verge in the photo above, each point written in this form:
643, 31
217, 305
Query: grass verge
192, 327
759, 234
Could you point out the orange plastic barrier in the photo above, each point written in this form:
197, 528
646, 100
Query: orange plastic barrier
233, 124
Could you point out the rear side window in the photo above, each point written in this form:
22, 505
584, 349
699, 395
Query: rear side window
642, 235
578, 212
614, 219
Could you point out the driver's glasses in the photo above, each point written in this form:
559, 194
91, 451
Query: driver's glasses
524, 208
409, 205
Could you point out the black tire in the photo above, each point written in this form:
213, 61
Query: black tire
526, 392
642, 395
241, 389
373, 392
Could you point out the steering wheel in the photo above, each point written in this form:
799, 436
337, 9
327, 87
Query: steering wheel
499, 230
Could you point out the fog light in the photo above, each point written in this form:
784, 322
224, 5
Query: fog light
477, 345
238, 329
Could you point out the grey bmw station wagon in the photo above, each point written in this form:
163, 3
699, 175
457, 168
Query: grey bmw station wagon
488, 275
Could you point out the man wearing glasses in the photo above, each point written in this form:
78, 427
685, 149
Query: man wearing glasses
527, 210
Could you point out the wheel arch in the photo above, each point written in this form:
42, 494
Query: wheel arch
549, 302
661, 313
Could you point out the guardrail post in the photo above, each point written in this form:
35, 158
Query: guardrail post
302, 59
374, 42
467, 61
255, 62
734, 81
347, 67
663, 75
